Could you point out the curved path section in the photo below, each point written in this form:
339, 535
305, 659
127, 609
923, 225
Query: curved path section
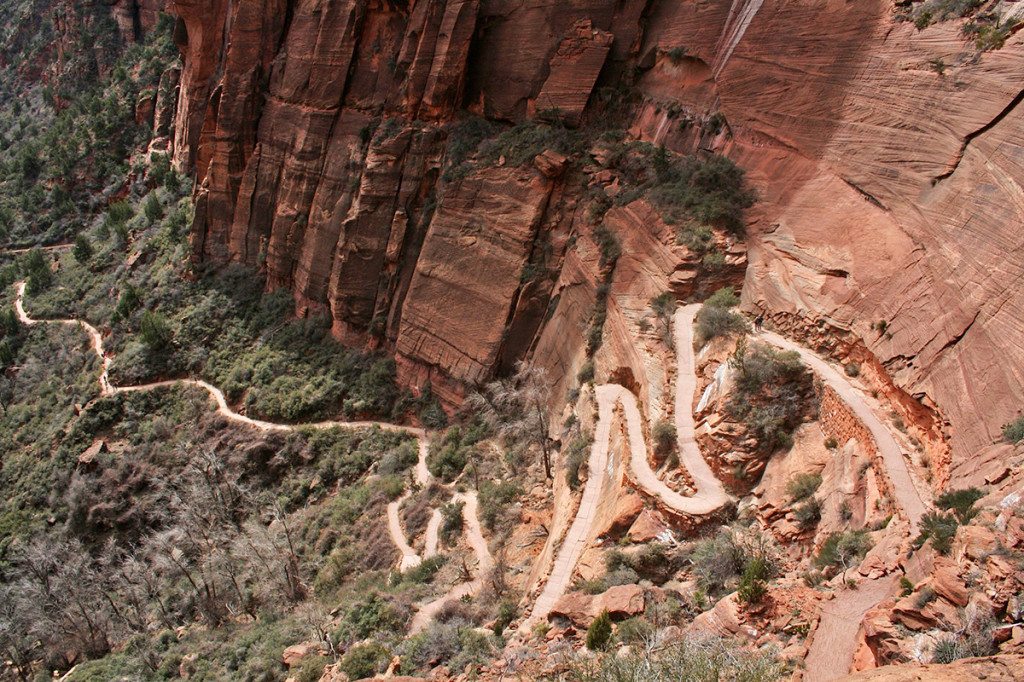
484, 564
409, 557
908, 498
578, 535
710, 496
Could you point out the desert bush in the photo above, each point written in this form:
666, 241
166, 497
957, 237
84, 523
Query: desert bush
155, 332
808, 513
714, 321
454, 643
940, 529
451, 522
372, 614
448, 456
802, 486
1014, 431
852, 369
843, 549
599, 633
577, 453
696, 659
960, 502
495, 497
664, 435
753, 583
82, 250
773, 392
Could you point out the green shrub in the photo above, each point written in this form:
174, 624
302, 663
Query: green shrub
369, 615
451, 522
599, 634
494, 500
664, 434
364, 660
152, 208
311, 668
940, 529
803, 486
924, 597
723, 298
696, 658
154, 332
960, 502
906, 587
753, 586
715, 321
843, 549
526, 140
507, 612
82, 250
852, 369
449, 456
577, 453
424, 571
586, 373
773, 393
947, 650
1014, 431
808, 513
676, 54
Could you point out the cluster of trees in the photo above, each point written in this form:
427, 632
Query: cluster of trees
219, 552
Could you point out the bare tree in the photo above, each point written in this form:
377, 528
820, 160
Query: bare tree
517, 408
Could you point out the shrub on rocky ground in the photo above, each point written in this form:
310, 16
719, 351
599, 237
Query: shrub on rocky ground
1014, 431
773, 394
803, 486
940, 529
599, 633
843, 550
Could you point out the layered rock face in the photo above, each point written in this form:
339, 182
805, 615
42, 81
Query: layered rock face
890, 212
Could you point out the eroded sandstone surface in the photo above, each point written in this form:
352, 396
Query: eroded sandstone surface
888, 227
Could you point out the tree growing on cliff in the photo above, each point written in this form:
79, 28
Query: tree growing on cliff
517, 408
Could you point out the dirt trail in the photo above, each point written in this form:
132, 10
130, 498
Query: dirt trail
908, 498
834, 642
421, 474
710, 495
484, 564
578, 536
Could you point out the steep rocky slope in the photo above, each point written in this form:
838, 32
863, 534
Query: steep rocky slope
887, 161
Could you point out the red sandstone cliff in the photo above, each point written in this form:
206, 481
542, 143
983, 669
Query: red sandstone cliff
890, 192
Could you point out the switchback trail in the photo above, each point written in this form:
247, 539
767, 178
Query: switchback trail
908, 498
834, 640
710, 495
421, 475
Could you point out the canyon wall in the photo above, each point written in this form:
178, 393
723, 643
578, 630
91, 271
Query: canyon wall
890, 188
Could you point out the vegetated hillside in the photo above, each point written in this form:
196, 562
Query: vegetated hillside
440, 189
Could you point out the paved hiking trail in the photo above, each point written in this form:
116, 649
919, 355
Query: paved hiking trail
908, 498
710, 496
476, 540
834, 641
409, 557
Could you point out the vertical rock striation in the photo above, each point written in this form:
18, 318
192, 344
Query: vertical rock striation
889, 187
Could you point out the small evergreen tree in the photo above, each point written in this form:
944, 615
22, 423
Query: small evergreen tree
82, 250
599, 634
